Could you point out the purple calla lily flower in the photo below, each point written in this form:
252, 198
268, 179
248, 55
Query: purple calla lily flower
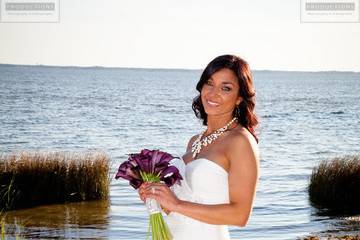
127, 171
149, 165
171, 176
135, 183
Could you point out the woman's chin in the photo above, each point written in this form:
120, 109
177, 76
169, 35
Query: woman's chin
211, 109
216, 112
212, 112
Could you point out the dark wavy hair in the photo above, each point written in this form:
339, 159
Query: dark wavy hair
244, 112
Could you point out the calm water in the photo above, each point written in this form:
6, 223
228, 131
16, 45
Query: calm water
305, 118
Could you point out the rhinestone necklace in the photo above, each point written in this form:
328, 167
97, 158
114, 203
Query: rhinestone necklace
198, 143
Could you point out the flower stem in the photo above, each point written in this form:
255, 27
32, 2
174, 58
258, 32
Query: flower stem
159, 229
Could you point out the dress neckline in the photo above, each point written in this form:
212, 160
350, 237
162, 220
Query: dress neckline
207, 160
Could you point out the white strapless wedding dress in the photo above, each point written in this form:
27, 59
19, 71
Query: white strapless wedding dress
205, 182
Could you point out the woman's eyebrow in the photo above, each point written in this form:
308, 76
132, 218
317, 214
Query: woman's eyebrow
228, 83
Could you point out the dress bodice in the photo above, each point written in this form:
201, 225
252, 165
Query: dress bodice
208, 181
205, 182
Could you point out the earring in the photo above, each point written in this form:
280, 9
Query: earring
237, 110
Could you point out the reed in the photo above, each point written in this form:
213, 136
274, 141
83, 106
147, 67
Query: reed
2, 223
33, 178
346, 237
4, 229
335, 185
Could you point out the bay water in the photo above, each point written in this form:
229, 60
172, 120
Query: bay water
305, 117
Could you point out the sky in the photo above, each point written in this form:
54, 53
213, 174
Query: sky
182, 34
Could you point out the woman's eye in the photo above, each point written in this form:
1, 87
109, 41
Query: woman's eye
226, 89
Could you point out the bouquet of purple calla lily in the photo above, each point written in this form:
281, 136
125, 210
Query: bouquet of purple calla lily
151, 166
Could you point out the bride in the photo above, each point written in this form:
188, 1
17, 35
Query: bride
220, 168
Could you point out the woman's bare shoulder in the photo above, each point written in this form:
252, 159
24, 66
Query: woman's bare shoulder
242, 134
241, 142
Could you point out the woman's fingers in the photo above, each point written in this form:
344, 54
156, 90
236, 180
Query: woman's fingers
141, 192
155, 186
140, 195
147, 189
161, 193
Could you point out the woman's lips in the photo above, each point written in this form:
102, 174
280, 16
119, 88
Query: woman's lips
211, 103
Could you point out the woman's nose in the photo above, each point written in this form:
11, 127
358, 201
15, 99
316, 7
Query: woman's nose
214, 91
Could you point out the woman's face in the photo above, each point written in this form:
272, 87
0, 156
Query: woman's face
220, 94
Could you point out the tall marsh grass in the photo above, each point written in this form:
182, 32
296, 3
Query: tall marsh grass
33, 178
335, 185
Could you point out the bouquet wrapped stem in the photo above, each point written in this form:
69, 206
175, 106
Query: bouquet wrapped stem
157, 225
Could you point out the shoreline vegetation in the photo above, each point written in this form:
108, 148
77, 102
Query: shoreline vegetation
346, 237
334, 190
334, 187
29, 179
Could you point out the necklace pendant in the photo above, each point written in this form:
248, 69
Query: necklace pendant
198, 143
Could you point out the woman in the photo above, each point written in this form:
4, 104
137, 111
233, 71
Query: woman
221, 164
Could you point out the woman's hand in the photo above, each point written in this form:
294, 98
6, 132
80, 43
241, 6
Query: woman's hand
162, 194
142, 196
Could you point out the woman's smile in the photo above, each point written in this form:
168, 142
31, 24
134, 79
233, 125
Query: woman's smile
212, 103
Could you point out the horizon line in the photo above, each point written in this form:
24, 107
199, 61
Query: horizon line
163, 69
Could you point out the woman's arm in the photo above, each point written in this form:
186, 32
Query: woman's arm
243, 176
